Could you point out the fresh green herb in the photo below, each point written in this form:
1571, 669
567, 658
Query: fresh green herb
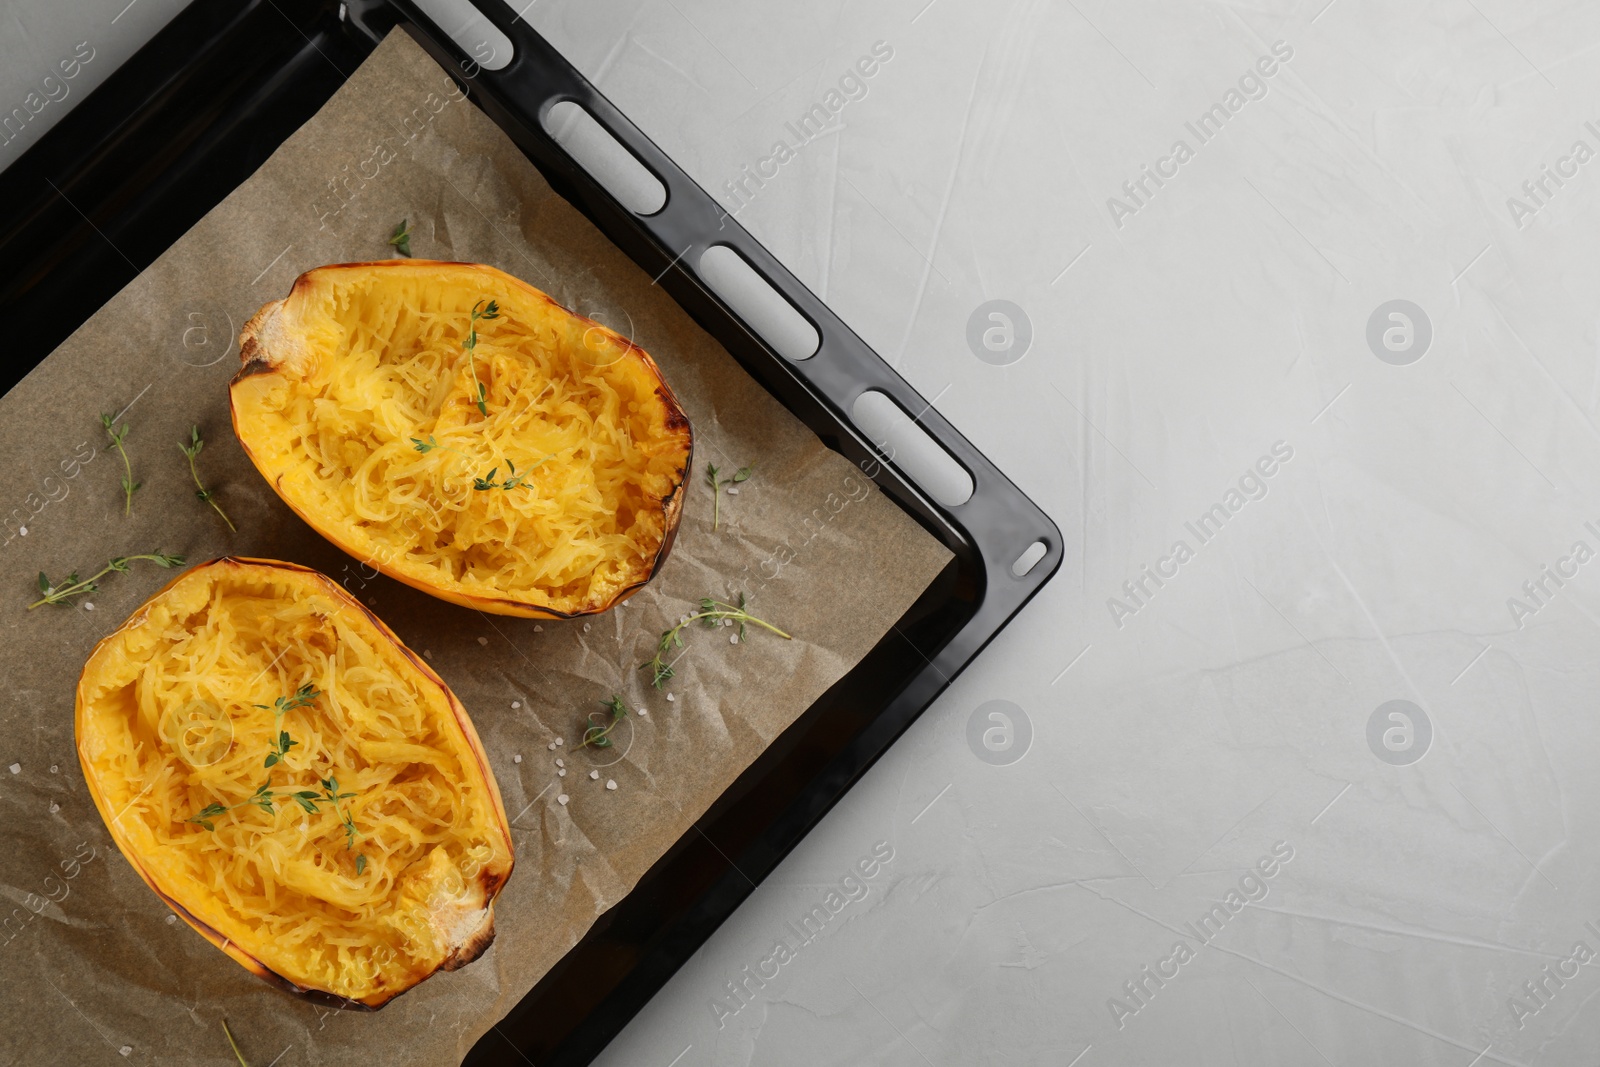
430, 445
234, 1044
712, 614
308, 799
302, 697
331, 794
117, 436
280, 748
717, 486
479, 311
597, 735
401, 238
204, 495
261, 798
72, 585
512, 480
204, 816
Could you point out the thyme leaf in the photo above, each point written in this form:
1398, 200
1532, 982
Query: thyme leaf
480, 312
204, 495
117, 436
401, 238
512, 479
718, 484
712, 614
598, 733
71, 586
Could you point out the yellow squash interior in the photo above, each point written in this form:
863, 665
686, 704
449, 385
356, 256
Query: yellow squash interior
370, 358
167, 724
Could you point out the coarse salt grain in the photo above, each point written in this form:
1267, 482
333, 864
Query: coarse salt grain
551, 746
585, 627
733, 490
538, 629
517, 758
516, 704
126, 1050
641, 711
561, 772
560, 762
671, 698
483, 641
428, 652
88, 605
171, 919
594, 775
561, 740
54, 769
54, 807
562, 799
16, 768
23, 530
611, 783
733, 639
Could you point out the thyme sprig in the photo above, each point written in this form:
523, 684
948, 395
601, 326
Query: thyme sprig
204, 495
118, 435
72, 585
303, 697
401, 238
261, 798
308, 799
598, 733
432, 444
234, 1044
479, 313
264, 797
331, 795
512, 479
712, 613
718, 485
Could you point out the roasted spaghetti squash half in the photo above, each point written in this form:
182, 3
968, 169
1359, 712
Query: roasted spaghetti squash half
294, 783
460, 431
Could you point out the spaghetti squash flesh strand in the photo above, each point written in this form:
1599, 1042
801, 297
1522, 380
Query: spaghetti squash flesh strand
585, 426
282, 885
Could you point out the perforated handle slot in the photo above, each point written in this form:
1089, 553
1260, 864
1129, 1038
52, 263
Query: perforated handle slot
607, 159
908, 446
764, 309
474, 34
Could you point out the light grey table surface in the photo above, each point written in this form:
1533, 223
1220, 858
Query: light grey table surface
1222, 843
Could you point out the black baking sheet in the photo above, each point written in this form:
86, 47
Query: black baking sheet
192, 115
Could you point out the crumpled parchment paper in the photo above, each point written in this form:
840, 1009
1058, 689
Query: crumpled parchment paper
93, 968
